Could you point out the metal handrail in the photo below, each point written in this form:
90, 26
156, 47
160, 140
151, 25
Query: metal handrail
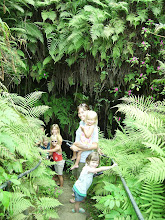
20, 175
134, 204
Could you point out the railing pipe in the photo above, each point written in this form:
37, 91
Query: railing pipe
20, 175
134, 204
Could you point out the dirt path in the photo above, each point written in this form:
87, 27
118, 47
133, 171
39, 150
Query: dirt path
65, 211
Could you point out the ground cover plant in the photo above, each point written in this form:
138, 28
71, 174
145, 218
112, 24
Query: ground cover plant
27, 197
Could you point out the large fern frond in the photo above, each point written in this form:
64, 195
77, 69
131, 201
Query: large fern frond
153, 171
47, 203
19, 203
153, 200
25, 105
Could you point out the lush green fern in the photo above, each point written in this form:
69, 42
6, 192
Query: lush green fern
19, 131
138, 148
153, 200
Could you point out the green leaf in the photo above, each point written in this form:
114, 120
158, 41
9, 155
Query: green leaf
108, 31
15, 181
118, 203
7, 141
112, 215
116, 52
18, 8
1, 195
47, 60
33, 30
111, 204
6, 199
115, 38
30, 2
20, 53
48, 15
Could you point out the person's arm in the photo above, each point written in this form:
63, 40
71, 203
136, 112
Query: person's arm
88, 132
79, 146
103, 168
54, 149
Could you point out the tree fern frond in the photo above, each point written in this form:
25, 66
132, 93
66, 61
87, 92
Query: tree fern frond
139, 110
156, 146
96, 31
25, 187
98, 2
19, 203
33, 97
119, 6
44, 181
29, 99
141, 102
38, 111
152, 194
119, 26
33, 30
108, 30
25, 105
20, 216
7, 141
154, 171
47, 203
51, 214
53, 45
5, 153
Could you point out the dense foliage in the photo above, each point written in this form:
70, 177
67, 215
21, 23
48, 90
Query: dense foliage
95, 51
19, 129
138, 148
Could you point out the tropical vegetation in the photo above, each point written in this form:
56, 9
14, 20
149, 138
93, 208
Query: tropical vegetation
27, 197
109, 54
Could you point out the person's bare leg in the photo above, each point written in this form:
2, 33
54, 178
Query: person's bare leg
61, 180
74, 155
76, 165
78, 158
77, 206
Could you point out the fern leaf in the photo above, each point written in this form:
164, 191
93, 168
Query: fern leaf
19, 203
119, 26
5, 153
38, 111
152, 194
33, 97
20, 216
47, 203
155, 145
108, 31
51, 214
32, 30
154, 171
50, 85
7, 141
100, 3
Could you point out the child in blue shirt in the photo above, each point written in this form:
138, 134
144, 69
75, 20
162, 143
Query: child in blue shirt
45, 145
